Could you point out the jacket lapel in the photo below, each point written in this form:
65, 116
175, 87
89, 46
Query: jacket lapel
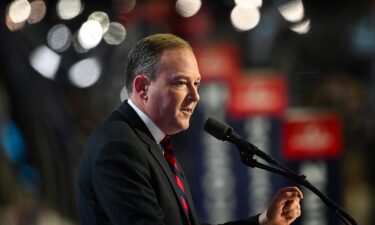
156, 151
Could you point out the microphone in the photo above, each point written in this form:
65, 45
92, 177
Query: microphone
224, 132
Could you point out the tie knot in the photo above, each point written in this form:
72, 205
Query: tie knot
166, 143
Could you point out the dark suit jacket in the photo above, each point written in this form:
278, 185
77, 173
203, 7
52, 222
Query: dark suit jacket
123, 177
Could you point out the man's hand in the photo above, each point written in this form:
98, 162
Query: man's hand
284, 207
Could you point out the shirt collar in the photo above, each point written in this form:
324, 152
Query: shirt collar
157, 134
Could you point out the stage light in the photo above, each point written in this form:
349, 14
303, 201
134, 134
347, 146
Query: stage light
102, 18
245, 17
301, 27
69, 9
45, 61
256, 3
123, 6
85, 73
76, 45
90, 34
115, 34
13, 26
59, 37
38, 11
292, 11
19, 11
188, 8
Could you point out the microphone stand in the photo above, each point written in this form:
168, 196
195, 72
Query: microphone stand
247, 157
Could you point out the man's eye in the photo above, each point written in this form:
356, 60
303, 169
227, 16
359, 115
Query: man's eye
181, 83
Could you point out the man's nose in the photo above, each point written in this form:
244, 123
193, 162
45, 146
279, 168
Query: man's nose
194, 94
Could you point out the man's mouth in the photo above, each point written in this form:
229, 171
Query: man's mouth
187, 110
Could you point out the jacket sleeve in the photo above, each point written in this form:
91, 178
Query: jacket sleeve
253, 220
121, 180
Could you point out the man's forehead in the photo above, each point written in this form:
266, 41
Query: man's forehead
179, 62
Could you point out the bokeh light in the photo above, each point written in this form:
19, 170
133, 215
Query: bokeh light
115, 34
85, 73
59, 37
38, 11
69, 9
188, 8
76, 45
292, 11
13, 26
123, 6
102, 18
45, 61
334, 71
19, 10
256, 3
245, 17
301, 27
90, 34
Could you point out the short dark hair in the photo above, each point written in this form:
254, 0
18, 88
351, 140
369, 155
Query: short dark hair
144, 57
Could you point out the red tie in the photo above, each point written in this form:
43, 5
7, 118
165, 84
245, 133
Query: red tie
168, 154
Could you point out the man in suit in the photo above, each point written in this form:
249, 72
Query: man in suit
125, 175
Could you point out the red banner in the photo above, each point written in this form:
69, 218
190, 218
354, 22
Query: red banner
258, 95
220, 61
308, 135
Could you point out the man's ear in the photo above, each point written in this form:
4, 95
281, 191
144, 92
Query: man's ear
141, 84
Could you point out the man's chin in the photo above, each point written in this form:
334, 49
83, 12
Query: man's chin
185, 124
180, 127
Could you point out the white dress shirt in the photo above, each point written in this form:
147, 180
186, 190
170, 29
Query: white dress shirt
157, 134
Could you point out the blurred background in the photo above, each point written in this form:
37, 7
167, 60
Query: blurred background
295, 78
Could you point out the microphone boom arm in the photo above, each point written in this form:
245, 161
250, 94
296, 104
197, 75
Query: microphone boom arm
249, 160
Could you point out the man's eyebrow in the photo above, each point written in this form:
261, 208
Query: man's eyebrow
179, 76
182, 76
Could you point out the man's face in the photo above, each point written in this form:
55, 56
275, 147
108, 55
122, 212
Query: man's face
173, 94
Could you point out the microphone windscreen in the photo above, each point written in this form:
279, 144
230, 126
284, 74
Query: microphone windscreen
216, 128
